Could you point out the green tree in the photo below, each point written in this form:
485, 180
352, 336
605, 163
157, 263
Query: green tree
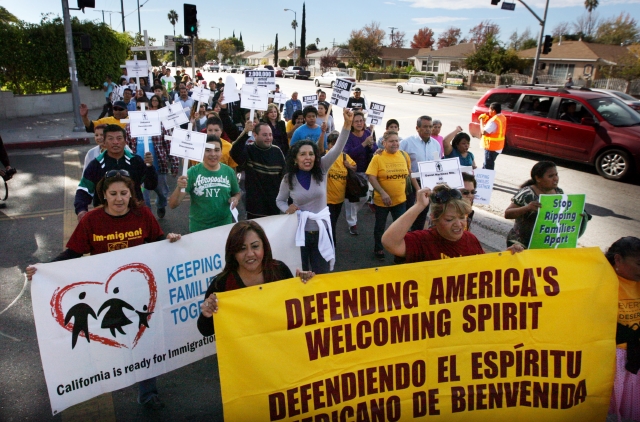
173, 19
312, 47
318, 42
622, 29
303, 33
283, 63
492, 57
628, 68
275, 52
6, 16
366, 44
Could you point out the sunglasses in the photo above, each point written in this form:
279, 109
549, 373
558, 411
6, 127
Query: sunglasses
445, 196
118, 109
114, 173
467, 192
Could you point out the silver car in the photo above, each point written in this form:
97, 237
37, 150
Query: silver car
626, 98
421, 85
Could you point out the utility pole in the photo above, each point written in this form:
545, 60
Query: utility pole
295, 33
73, 73
139, 24
392, 28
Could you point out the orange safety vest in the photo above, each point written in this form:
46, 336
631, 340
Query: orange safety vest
495, 141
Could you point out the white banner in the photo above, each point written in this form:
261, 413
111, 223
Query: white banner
375, 114
279, 98
341, 92
437, 172
173, 115
262, 77
188, 144
310, 100
200, 94
254, 97
157, 287
137, 68
145, 123
484, 180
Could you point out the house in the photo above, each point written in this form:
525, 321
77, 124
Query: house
243, 58
343, 55
444, 60
396, 57
577, 59
256, 58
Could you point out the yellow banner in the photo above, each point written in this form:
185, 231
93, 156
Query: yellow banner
525, 337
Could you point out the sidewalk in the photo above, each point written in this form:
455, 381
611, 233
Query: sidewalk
50, 130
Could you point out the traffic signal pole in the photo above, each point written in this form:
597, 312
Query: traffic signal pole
193, 58
73, 73
542, 21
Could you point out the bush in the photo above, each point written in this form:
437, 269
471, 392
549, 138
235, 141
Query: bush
341, 65
283, 63
290, 62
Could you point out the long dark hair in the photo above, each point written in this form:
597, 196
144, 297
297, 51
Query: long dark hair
103, 186
292, 167
538, 170
235, 241
460, 136
160, 103
625, 246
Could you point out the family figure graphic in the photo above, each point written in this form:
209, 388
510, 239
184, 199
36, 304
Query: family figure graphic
114, 319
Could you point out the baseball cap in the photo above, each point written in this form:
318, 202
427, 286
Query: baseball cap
120, 104
357, 90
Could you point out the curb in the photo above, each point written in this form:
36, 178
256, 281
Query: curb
48, 143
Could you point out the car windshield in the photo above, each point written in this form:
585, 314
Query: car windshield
624, 96
342, 74
430, 81
615, 111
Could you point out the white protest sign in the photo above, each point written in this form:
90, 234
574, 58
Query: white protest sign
137, 68
157, 287
262, 77
375, 114
188, 144
279, 98
144, 123
200, 94
121, 89
254, 97
484, 180
172, 115
149, 95
310, 100
341, 92
437, 172
231, 94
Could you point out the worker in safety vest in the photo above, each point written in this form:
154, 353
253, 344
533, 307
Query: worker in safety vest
493, 127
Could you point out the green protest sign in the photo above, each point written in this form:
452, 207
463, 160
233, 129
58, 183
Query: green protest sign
558, 222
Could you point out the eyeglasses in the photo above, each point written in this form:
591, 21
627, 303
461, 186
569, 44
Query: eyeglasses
468, 192
445, 196
114, 173
118, 109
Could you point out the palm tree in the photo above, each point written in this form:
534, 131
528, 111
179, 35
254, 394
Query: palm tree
317, 42
590, 5
173, 19
294, 24
6, 16
290, 45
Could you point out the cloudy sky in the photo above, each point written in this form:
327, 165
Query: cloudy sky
328, 20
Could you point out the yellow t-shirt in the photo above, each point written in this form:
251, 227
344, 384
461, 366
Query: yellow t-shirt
391, 171
110, 120
289, 126
337, 180
226, 158
628, 305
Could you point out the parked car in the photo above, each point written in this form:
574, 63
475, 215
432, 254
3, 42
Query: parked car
224, 67
572, 124
329, 78
421, 85
244, 68
234, 69
296, 72
632, 102
266, 66
279, 72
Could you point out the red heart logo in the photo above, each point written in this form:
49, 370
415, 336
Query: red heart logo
59, 315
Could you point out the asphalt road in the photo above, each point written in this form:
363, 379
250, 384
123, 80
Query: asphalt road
32, 229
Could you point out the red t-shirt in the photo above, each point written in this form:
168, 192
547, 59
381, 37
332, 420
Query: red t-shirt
99, 232
428, 245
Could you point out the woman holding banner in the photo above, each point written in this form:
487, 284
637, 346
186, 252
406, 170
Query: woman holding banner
248, 262
121, 212
624, 256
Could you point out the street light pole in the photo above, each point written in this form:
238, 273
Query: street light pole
215, 27
295, 33
73, 74
139, 24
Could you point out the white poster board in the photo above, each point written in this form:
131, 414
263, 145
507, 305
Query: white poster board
341, 92
137, 68
188, 144
163, 282
144, 123
484, 180
262, 77
437, 172
279, 98
375, 114
200, 94
173, 115
310, 100
254, 97
230, 93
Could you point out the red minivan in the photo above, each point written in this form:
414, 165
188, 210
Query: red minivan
573, 124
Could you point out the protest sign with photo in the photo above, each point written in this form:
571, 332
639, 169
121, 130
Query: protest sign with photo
375, 114
446, 170
261, 77
481, 338
558, 222
341, 92
107, 321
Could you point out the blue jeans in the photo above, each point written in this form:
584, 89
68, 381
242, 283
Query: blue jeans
311, 258
162, 191
381, 222
147, 390
490, 159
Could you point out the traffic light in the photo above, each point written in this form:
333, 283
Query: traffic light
548, 42
190, 20
183, 50
86, 3
495, 2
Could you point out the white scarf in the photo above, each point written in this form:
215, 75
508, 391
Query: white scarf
325, 240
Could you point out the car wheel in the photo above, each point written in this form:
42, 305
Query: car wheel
331, 84
317, 82
400, 89
613, 164
421, 92
433, 94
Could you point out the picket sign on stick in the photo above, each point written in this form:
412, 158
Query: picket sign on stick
254, 97
185, 162
146, 138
